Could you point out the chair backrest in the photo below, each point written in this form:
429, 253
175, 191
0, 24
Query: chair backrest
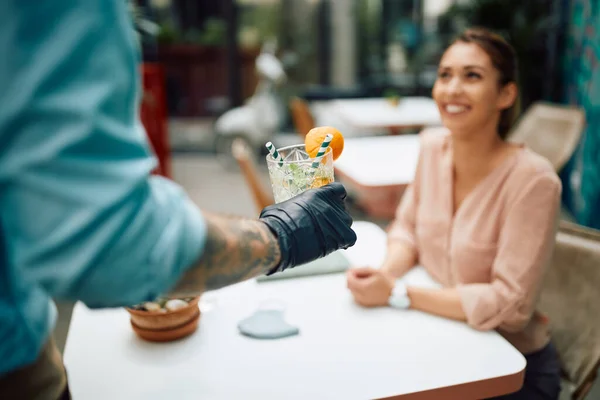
570, 297
550, 130
301, 116
244, 158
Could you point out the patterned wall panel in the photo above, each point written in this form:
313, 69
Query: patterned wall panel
581, 178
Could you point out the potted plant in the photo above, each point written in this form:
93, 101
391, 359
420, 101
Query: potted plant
392, 96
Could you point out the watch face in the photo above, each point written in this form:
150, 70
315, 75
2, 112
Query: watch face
399, 297
400, 301
399, 290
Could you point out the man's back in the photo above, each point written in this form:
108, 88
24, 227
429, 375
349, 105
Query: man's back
80, 218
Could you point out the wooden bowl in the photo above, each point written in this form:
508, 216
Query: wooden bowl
168, 334
157, 320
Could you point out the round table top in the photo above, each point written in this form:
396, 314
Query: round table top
342, 350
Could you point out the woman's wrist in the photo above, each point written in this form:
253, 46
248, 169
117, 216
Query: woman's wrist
388, 272
398, 261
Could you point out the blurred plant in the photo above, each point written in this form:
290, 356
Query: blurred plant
371, 51
168, 33
259, 22
392, 96
391, 93
213, 32
526, 24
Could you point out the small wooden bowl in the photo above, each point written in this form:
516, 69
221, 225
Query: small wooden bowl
169, 334
180, 320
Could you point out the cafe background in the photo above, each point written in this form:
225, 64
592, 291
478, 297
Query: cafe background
198, 62
203, 54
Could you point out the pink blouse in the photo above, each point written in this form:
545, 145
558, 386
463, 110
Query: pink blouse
496, 247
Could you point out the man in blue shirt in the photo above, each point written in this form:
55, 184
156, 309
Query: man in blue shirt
80, 216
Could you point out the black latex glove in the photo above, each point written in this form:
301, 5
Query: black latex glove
310, 225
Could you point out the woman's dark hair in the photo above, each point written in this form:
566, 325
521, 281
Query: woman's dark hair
504, 59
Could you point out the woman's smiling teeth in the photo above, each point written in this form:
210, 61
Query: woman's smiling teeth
455, 108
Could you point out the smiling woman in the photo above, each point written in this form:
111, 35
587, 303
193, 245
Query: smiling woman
480, 215
479, 66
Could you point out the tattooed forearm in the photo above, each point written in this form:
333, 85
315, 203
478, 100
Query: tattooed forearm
235, 250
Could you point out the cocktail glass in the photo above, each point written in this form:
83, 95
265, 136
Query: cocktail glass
298, 172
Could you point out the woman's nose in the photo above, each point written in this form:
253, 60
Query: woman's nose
454, 86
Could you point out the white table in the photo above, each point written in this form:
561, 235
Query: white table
376, 170
343, 351
380, 161
381, 113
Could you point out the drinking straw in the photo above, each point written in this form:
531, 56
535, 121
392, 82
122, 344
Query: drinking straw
276, 156
322, 150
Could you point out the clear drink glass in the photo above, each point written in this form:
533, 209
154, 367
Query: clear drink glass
296, 173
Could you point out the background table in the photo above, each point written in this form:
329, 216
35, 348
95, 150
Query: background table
343, 351
376, 170
411, 112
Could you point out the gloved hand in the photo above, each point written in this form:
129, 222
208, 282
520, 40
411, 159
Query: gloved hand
310, 225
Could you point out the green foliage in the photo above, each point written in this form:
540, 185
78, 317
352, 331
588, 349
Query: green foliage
265, 19
391, 93
213, 32
168, 33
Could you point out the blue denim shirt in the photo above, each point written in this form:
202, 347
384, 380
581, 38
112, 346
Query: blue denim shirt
80, 216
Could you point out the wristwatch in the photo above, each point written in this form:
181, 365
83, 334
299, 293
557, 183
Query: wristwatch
399, 297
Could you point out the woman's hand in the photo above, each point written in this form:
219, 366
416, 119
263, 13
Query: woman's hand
369, 286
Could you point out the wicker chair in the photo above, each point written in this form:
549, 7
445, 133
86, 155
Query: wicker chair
245, 160
550, 130
301, 116
570, 298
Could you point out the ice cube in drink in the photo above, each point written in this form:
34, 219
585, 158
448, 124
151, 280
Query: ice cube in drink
296, 173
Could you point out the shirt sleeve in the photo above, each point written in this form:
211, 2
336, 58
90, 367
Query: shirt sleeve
524, 250
83, 217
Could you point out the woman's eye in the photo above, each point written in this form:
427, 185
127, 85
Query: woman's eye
443, 74
473, 75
